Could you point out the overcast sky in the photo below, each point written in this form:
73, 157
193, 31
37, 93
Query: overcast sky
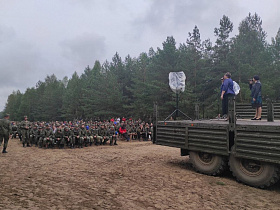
39, 37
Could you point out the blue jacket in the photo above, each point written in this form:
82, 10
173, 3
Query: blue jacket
228, 86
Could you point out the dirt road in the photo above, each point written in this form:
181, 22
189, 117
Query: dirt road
132, 175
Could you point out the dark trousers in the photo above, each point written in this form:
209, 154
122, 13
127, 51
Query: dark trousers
6, 139
225, 103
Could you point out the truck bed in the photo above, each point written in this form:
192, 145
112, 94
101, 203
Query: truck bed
252, 139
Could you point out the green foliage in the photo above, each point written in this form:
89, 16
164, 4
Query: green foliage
131, 86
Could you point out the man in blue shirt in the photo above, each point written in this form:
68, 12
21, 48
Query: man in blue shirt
227, 91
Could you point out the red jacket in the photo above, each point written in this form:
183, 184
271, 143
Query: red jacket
122, 131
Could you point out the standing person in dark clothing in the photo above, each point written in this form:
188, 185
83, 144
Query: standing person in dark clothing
227, 91
256, 94
5, 131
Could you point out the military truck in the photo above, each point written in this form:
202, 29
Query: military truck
251, 149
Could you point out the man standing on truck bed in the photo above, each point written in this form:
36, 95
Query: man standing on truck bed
227, 91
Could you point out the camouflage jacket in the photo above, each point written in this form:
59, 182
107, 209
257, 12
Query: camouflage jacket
24, 125
58, 134
76, 132
83, 132
5, 127
48, 133
102, 132
67, 134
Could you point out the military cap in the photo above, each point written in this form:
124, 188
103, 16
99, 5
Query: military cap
6, 115
25, 116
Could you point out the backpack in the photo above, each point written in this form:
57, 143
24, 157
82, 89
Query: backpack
236, 88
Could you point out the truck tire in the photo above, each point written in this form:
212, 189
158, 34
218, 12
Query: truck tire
254, 173
207, 163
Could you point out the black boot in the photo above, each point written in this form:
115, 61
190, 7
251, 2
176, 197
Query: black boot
4, 150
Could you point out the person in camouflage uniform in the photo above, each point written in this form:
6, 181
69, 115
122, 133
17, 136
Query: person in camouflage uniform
76, 134
84, 138
40, 136
24, 128
67, 136
89, 135
73, 140
112, 135
58, 137
132, 132
48, 141
102, 135
94, 134
19, 132
14, 130
33, 135
5, 131
140, 132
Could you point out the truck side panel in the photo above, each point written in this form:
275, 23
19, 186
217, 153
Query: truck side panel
208, 138
171, 134
258, 143
194, 136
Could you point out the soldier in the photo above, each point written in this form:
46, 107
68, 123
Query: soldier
14, 130
67, 136
133, 132
94, 134
48, 141
19, 132
58, 137
24, 128
112, 135
40, 135
83, 137
102, 135
140, 132
89, 135
5, 131
76, 135
33, 135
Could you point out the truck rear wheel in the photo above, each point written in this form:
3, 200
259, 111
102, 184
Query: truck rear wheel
254, 173
207, 163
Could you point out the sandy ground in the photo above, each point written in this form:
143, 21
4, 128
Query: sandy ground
132, 175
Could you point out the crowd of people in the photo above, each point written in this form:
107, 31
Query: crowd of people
80, 134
